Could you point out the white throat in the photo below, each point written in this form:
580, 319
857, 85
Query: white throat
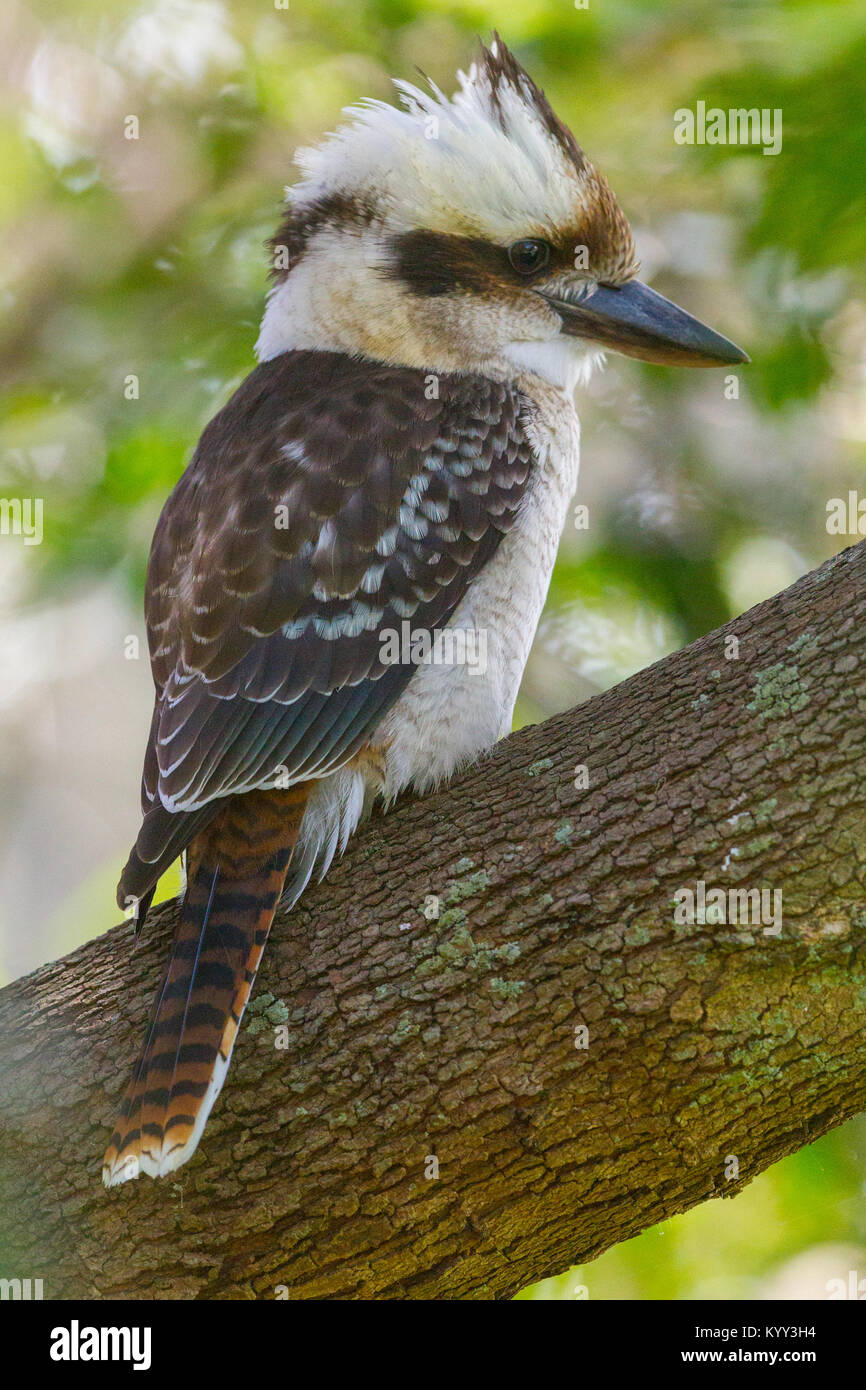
565, 363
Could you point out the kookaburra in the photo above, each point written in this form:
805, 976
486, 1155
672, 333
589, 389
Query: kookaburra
405, 451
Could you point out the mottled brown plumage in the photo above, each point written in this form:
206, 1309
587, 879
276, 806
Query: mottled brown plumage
329, 499
264, 637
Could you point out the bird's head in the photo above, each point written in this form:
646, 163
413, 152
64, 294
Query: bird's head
469, 234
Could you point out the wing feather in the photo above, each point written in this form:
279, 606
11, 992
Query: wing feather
327, 502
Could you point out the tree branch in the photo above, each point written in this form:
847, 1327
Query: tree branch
712, 1048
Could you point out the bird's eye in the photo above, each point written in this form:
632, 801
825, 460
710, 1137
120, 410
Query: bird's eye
529, 256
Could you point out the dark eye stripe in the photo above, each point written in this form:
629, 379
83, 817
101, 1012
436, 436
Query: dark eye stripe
437, 263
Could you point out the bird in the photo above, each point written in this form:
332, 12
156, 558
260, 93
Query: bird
447, 271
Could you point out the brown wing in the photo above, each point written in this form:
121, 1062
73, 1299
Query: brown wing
330, 500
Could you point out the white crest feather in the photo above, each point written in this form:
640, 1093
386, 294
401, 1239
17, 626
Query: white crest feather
483, 163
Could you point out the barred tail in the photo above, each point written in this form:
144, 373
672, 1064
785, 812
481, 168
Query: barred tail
236, 869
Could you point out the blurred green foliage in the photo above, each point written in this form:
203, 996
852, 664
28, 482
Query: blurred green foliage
145, 258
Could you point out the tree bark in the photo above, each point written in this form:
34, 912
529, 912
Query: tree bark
454, 1046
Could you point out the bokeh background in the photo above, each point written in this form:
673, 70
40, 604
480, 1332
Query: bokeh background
143, 258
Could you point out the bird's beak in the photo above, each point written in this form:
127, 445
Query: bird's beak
634, 320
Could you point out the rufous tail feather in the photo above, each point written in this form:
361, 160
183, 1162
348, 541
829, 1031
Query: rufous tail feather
236, 869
